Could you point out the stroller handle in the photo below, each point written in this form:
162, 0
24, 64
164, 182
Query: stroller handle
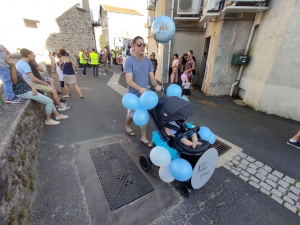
162, 90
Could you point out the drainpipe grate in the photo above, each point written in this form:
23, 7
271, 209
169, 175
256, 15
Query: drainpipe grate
221, 147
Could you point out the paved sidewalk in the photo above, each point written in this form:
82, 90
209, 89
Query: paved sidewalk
225, 199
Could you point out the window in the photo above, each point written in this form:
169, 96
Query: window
31, 23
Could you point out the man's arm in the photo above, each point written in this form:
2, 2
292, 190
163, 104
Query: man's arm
34, 91
38, 68
36, 80
132, 84
13, 72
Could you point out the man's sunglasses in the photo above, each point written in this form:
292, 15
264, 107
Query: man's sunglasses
140, 44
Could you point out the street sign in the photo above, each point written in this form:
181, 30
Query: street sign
204, 168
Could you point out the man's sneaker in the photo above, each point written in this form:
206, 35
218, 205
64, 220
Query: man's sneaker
62, 104
62, 100
51, 122
295, 144
63, 108
104, 74
14, 100
61, 116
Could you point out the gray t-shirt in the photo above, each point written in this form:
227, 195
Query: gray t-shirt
140, 72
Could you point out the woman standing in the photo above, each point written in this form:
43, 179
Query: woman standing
188, 68
66, 64
174, 66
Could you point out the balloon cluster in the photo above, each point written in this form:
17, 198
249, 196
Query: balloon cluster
179, 169
206, 135
148, 100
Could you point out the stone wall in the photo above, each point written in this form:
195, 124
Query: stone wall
76, 31
20, 133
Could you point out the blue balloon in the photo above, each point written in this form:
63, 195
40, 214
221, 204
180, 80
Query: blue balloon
184, 98
148, 100
131, 101
140, 117
181, 169
212, 139
163, 29
174, 90
205, 133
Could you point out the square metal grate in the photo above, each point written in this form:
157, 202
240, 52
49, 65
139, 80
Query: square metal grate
120, 178
221, 147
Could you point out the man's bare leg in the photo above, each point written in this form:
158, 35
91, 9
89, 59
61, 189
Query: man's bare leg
128, 121
143, 137
55, 97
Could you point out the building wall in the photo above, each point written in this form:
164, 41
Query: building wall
184, 41
60, 24
230, 36
271, 80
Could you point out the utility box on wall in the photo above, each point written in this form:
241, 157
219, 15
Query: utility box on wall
239, 59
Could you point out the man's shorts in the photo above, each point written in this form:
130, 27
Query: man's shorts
130, 113
41, 87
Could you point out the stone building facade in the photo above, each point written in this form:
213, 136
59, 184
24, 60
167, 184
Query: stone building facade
76, 30
49, 25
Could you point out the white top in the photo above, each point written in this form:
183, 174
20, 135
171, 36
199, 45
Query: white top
186, 84
58, 70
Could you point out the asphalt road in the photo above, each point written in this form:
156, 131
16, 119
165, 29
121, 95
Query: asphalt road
225, 199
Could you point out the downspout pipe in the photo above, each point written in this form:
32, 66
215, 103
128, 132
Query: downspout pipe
255, 24
170, 43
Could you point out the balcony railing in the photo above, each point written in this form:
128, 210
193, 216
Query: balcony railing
95, 18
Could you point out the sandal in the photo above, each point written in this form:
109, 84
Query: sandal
66, 96
130, 133
148, 144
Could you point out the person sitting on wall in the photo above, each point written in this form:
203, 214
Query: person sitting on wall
23, 86
45, 85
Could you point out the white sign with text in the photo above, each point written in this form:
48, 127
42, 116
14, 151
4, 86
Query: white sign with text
204, 168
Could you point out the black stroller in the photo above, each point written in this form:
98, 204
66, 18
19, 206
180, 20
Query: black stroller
176, 109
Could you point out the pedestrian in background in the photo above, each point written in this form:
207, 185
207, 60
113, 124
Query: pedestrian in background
294, 141
66, 64
154, 62
82, 61
101, 63
174, 66
95, 62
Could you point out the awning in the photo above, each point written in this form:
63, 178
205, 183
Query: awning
208, 15
245, 9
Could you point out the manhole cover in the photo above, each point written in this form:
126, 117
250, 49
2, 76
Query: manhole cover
221, 147
120, 178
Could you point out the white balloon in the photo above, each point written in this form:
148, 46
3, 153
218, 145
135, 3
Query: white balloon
165, 175
160, 156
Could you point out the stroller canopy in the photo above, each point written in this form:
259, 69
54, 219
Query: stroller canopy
172, 109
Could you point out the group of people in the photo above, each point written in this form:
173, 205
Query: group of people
96, 60
23, 81
184, 64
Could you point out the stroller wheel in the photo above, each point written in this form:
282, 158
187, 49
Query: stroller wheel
145, 163
184, 190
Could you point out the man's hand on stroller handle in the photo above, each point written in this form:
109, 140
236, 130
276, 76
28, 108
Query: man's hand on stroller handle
158, 88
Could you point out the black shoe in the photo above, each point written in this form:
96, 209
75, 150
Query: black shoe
58, 92
62, 100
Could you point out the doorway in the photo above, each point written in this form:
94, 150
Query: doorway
205, 64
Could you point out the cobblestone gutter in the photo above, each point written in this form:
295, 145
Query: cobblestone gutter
21, 129
281, 188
